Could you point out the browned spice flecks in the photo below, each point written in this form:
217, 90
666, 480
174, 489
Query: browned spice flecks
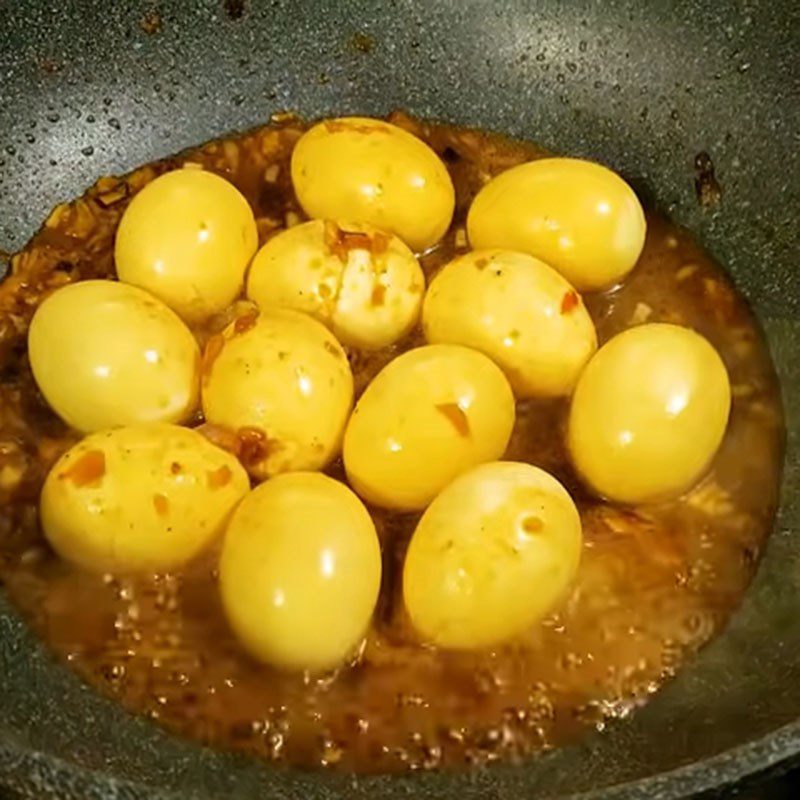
220, 477
245, 322
161, 504
378, 296
569, 302
254, 446
87, 470
340, 242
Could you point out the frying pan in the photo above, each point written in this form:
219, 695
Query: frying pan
89, 87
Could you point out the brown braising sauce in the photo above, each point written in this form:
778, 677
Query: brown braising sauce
654, 584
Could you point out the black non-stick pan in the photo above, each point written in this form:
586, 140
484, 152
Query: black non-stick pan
89, 87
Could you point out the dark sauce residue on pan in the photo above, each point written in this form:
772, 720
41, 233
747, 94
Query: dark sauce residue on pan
654, 584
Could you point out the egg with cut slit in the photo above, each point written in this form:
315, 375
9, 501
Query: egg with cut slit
427, 416
187, 238
139, 498
300, 572
283, 380
493, 554
363, 284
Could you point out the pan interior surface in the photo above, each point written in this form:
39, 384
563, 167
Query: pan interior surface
641, 87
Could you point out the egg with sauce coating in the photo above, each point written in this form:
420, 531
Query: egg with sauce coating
139, 498
428, 416
519, 312
648, 413
365, 285
279, 375
300, 571
371, 171
106, 354
577, 216
492, 554
187, 238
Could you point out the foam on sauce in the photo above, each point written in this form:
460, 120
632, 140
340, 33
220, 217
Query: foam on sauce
654, 584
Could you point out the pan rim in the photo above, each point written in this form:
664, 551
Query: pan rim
779, 747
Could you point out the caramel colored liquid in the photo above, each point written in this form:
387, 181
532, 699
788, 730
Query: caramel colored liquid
654, 584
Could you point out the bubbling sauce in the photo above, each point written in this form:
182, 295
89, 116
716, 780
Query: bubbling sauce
655, 583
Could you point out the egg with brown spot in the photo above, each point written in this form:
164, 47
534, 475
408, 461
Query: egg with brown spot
139, 498
430, 414
280, 387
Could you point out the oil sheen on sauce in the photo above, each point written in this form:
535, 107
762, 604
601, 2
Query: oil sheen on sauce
654, 584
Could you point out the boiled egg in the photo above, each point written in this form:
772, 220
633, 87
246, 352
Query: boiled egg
187, 238
300, 572
429, 415
365, 285
577, 216
139, 498
648, 413
282, 379
494, 553
106, 354
518, 311
370, 171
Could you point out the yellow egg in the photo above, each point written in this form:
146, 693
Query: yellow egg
283, 377
370, 171
300, 572
519, 312
187, 237
648, 413
139, 498
493, 554
577, 216
365, 285
428, 416
106, 354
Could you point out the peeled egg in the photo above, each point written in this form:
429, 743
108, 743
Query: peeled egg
577, 216
365, 285
187, 238
370, 171
648, 413
281, 378
300, 571
519, 312
139, 498
428, 416
106, 354
493, 554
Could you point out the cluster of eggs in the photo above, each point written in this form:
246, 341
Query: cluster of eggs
300, 565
